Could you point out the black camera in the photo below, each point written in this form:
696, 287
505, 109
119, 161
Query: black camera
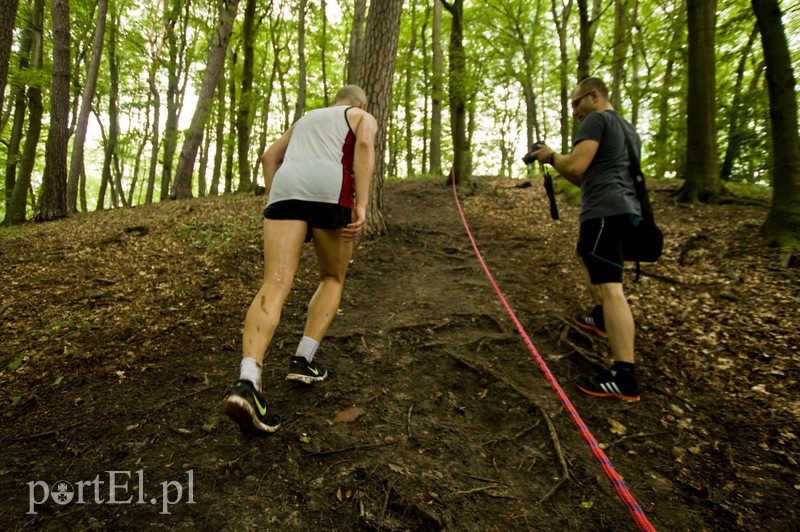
529, 158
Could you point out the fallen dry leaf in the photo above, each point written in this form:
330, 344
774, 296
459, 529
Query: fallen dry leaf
350, 415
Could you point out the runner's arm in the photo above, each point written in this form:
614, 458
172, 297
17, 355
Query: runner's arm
273, 157
363, 167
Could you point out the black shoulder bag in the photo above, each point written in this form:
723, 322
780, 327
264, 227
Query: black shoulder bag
645, 243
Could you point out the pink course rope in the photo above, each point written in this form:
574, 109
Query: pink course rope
619, 485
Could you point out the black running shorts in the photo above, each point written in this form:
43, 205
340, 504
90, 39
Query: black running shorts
316, 214
600, 245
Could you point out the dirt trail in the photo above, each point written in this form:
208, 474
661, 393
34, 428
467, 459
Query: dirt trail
125, 328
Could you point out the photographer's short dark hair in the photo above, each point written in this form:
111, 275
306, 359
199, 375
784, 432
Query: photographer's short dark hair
591, 84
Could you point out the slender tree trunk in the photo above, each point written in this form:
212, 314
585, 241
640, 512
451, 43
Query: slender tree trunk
355, 51
219, 138
79, 140
623, 24
216, 60
376, 76
588, 31
16, 208
324, 53
177, 51
407, 92
138, 159
245, 113
734, 131
113, 105
8, 15
54, 195
661, 152
561, 20
702, 165
231, 136
18, 96
201, 173
782, 226
437, 90
300, 107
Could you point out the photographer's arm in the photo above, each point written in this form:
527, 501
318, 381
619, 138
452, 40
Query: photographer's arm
572, 166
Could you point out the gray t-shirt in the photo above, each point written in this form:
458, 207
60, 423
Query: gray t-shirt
607, 187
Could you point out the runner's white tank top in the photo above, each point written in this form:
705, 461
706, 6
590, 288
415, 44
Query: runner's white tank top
318, 163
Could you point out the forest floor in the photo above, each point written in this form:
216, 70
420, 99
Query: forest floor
121, 334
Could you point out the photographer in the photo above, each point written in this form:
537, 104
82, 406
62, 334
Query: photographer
599, 165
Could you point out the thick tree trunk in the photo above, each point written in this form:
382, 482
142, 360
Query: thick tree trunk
79, 140
216, 60
54, 195
782, 226
702, 165
376, 76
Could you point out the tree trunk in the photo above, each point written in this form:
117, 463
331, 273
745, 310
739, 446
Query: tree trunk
407, 92
300, 107
16, 207
54, 182
18, 95
113, 105
661, 152
230, 144
734, 131
782, 226
324, 53
8, 15
587, 31
219, 138
702, 166
355, 52
376, 76
82, 124
437, 91
561, 29
245, 114
177, 49
457, 92
216, 60
623, 24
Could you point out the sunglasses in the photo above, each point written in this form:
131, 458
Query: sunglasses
577, 100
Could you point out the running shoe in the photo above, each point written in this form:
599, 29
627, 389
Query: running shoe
247, 407
614, 382
592, 322
301, 370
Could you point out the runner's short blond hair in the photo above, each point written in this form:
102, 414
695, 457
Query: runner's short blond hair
352, 94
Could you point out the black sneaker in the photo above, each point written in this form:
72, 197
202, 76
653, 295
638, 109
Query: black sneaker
592, 322
247, 407
615, 383
301, 370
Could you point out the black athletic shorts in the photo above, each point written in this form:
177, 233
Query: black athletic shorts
600, 245
316, 214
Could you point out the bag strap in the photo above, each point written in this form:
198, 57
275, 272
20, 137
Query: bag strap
635, 168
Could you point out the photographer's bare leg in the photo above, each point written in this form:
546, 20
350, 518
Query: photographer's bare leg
618, 320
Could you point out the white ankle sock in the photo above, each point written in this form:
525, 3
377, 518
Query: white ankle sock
250, 370
307, 348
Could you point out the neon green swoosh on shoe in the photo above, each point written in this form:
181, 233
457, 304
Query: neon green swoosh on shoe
261, 409
315, 371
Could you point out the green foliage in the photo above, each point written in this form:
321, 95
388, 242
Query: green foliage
511, 48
